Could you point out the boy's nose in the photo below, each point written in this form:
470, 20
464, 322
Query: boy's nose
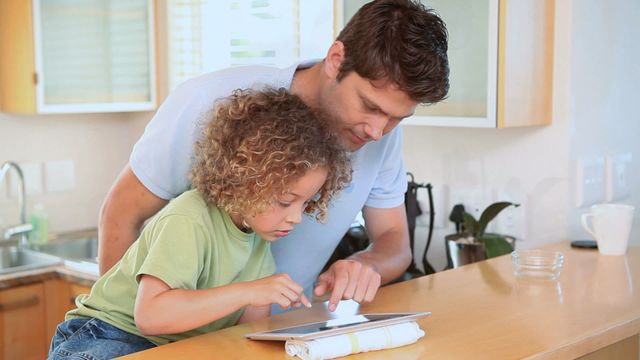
295, 217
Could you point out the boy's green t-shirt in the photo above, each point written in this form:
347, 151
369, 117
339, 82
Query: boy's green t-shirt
188, 245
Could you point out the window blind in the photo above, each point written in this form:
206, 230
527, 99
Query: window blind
209, 35
94, 51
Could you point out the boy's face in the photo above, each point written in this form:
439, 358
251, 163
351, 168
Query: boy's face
278, 220
365, 110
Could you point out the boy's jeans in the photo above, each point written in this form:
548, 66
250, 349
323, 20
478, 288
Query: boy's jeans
92, 339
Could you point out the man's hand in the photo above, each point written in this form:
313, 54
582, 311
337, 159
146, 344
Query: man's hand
386, 258
348, 279
277, 289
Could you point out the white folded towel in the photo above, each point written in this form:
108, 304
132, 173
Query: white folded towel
330, 347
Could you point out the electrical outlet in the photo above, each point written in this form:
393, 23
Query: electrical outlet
590, 181
617, 177
60, 176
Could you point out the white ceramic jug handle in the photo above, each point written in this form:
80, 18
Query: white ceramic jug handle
585, 225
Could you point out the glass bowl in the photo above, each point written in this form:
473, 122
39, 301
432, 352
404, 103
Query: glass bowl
538, 264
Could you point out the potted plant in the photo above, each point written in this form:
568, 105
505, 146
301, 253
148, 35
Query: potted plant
472, 243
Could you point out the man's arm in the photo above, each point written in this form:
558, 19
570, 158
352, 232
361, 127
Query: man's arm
127, 206
387, 257
389, 252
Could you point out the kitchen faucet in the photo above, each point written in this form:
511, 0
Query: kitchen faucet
24, 228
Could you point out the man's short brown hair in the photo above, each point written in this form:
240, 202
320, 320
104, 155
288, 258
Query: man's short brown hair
401, 41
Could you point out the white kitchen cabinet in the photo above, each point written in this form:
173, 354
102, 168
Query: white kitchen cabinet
501, 63
76, 56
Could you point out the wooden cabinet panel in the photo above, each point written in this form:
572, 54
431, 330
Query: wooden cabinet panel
22, 323
17, 60
58, 302
60, 298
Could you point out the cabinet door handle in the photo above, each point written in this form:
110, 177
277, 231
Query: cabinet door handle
34, 300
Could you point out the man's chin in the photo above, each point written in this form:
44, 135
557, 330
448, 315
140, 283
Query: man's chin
353, 143
353, 147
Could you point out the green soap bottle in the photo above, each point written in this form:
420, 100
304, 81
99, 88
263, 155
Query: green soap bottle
40, 222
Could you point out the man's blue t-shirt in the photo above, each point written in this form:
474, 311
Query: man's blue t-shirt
161, 159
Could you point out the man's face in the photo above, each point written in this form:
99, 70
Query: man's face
365, 110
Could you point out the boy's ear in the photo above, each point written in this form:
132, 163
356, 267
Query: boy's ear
335, 56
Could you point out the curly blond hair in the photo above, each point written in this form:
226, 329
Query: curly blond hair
257, 143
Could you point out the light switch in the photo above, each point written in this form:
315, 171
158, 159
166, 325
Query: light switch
590, 181
617, 177
60, 176
32, 173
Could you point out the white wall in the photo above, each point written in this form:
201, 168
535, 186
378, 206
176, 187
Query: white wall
98, 144
596, 84
606, 95
527, 166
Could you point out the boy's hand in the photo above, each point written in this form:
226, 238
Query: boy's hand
277, 289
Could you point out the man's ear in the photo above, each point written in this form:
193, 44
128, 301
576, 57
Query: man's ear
335, 56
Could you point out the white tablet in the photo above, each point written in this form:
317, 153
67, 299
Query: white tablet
336, 326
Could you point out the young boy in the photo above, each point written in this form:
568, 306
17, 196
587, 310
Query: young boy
204, 262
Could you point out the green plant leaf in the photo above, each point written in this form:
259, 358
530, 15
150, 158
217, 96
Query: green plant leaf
490, 213
470, 224
496, 245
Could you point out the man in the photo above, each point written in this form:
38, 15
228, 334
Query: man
389, 57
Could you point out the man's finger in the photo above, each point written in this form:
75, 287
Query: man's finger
323, 284
340, 283
321, 288
355, 272
366, 276
373, 287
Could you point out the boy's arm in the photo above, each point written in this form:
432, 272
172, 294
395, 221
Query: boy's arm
162, 310
253, 313
127, 206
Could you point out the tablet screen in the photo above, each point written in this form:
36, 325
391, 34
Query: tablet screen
336, 326
335, 323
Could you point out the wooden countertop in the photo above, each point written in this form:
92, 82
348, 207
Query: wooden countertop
480, 311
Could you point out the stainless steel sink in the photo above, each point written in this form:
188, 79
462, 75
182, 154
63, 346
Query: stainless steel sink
13, 259
85, 249
79, 254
